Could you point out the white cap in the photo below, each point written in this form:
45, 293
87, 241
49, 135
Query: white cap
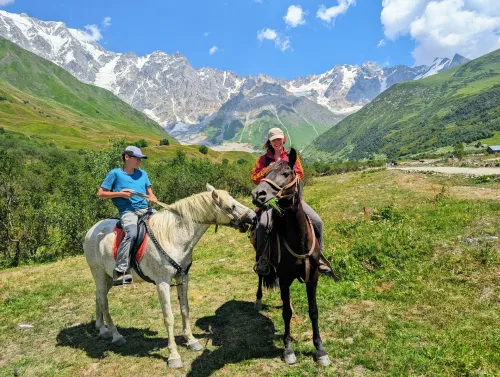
134, 151
275, 133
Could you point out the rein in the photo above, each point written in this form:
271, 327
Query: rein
217, 203
281, 190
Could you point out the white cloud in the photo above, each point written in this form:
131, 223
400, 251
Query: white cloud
93, 33
213, 50
329, 14
381, 43
280, 41
267, 34
443, 28
106, 22
295, 16
5, 2
206, 34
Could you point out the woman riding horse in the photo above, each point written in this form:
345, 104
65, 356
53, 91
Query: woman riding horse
293, 249
275, 152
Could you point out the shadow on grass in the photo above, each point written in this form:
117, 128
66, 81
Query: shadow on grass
237, 330
240, 333
140, 342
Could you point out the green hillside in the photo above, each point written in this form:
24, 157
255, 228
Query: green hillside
247, 117
39, 99
456, 106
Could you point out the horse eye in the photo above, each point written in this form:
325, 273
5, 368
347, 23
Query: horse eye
233, 207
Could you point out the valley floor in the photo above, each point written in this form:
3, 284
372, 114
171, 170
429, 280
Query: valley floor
419, 260
451, 170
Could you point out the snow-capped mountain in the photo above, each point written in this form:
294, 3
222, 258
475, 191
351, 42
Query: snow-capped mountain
441, 64
184, 99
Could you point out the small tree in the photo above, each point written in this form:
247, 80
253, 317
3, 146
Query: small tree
164, 142
141, 143
203, 149
459, 151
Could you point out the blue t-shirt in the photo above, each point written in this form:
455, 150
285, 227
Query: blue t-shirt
117, 180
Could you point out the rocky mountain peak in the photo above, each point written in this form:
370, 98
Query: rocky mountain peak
170, 91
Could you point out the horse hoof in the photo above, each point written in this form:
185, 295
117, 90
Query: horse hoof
106, 334
174, 363
120, 341
196, 346
258, 305
289, 358
323, 360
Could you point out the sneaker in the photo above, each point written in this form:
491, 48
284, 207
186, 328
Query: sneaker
324, 269
120, 278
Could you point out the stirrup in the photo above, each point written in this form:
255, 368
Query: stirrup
121, 278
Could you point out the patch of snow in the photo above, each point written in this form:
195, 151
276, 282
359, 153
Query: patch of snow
383, 84
69, 57
150, 114
141, 61
437, 66
349, 74
106, 77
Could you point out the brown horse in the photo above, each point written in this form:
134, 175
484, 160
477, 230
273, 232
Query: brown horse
293, 248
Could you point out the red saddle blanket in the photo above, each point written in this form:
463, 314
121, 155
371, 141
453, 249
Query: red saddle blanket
120, 233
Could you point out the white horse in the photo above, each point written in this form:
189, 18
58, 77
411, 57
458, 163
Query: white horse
177, 231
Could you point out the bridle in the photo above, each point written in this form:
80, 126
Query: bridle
281, 194
236, 221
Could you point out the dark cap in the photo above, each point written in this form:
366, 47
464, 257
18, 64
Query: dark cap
133, 151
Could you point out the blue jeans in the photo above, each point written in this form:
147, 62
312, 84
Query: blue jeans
129, 222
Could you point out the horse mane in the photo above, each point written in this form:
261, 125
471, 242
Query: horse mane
197, 208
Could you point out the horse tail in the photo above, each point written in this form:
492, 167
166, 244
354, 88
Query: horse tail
271, 279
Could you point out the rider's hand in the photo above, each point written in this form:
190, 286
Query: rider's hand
127, 193
152, 198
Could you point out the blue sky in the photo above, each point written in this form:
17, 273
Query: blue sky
256, 36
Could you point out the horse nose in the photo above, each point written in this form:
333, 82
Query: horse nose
259, 197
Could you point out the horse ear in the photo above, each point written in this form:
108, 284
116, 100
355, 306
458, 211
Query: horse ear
215, 196
292, 157
210, 187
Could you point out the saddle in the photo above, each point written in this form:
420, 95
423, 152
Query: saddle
138, 248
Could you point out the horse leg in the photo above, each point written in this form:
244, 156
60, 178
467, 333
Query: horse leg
321, 355
288, 354
182, 294
258, 302
103, 284
163, 287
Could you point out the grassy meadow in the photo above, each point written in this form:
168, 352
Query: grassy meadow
419, 295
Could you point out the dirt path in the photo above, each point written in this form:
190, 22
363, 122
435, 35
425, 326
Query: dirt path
451, 170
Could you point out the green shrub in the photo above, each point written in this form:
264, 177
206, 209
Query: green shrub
164, 142
203, 149
51, 201
141, 143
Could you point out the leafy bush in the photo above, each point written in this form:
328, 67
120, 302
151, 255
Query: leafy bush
141, 143
48, 204
203, 149
164, 142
